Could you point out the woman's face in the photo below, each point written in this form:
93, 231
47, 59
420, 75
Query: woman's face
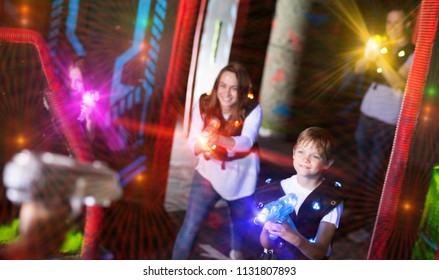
395, 26
76, 81
228, 91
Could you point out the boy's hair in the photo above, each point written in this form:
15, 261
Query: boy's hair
322, 140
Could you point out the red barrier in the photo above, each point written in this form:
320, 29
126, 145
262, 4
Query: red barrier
390, 197
56, 97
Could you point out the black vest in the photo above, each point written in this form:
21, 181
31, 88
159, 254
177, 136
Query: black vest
394, 60
319, 202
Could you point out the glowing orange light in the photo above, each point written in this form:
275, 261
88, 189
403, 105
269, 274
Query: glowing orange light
236, 124
20, 140
24, 9
139, 178
250, 95
213, 147
406, 206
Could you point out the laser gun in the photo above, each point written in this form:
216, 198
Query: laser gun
208, 134
375, 46
89, 99
277, 211
45, 176
210, 131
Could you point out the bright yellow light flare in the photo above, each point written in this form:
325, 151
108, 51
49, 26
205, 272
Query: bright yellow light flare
372, 44
383, 50
401, 54
379, 70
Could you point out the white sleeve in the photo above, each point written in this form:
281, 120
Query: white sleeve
250, 131
196, 126
409, 59
334, 215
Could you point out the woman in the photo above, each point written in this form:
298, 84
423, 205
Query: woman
223, 134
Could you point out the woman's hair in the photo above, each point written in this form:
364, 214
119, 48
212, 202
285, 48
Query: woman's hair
212, 104
82, 64
321, 138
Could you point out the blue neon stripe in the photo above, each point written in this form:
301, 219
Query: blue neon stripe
137, 96
158, 22
156, 33
56, 12
53, 33
72, 19
162, 3
149, 76
152, 66
154, 44
161, 11
56, 3
154, 55
148, 90
132, 166
118, 89
132, 175
55, 22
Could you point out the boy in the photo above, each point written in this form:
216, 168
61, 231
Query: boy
319, 202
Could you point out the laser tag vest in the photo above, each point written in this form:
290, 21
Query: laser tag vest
395, 60
317, 204
220, 153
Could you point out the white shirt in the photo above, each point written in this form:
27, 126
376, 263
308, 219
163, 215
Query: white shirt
239, 177
383, 102
290, 185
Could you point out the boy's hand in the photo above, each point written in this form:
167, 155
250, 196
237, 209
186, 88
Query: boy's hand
282, 229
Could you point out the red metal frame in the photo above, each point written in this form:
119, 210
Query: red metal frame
390, 197
57, 97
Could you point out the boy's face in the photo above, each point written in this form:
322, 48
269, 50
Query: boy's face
309, 161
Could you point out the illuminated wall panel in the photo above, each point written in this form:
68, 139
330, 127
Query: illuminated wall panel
127, 45
427, 245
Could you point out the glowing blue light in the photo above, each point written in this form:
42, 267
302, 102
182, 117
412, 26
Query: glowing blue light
316, 205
